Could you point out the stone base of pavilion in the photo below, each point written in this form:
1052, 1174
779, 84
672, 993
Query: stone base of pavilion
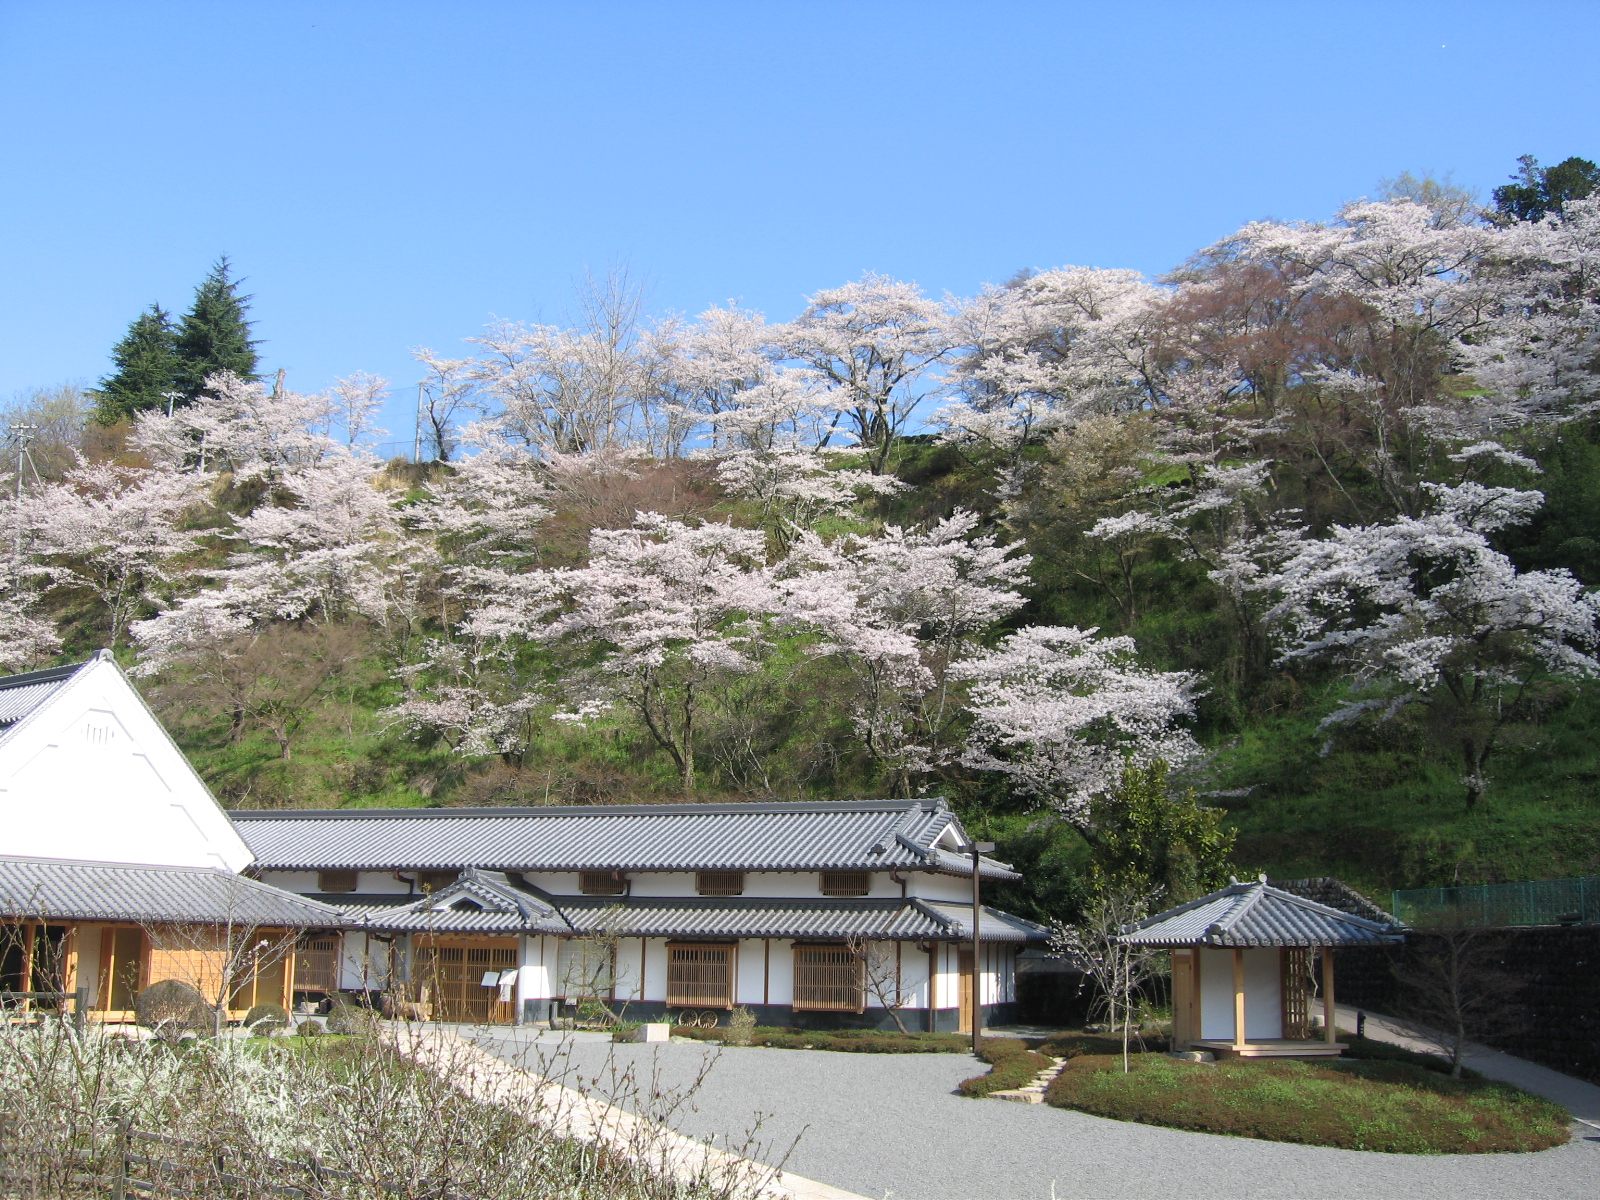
1271, 1048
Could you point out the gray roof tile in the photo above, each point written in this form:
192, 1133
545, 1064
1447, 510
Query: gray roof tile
1257, 914
83, 891
822, 835
20, 695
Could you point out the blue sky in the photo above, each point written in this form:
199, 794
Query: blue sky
393, 175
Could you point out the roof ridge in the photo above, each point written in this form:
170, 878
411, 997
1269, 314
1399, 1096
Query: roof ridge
578, 810
43, 675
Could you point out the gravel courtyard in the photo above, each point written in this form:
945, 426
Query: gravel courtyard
888, 1125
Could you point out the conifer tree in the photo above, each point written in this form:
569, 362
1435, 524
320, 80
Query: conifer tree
147, 366
215, 334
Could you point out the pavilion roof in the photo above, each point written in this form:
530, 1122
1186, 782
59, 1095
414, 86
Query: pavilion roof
1258, 914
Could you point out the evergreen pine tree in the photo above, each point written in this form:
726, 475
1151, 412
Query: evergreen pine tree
214, 334
147, 366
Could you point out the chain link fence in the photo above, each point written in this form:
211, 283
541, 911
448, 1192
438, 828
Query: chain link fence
1502, 905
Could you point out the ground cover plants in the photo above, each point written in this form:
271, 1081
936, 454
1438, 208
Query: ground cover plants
861, 1041
331, 1116
1354, 1104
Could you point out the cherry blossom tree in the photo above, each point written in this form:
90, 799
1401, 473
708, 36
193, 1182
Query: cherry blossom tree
239, 426
446, 398
901, 610
670, 609
26, 639
1425, 611
1061, 712
353, 404
873, 339
113, 533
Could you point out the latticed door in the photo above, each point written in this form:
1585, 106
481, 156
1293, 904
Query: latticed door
453, 974
700, 974
316, 964
1296, 963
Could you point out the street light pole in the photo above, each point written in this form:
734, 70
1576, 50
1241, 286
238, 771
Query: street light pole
977, 849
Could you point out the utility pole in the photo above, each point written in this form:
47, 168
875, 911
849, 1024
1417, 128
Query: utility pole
23, 436
416, 441
171, 398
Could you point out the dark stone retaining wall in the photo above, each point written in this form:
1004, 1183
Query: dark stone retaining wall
1557, 1008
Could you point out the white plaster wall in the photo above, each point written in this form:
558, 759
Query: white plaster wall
801, 884
1263, 1002
929, 885
629, 979
364, 962
780, 982
748, 963
1263, 992
92, 775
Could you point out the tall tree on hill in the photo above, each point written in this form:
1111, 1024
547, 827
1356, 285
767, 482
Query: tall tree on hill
1537, 191
146, 361
214, 334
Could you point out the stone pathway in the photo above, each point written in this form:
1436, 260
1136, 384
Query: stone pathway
1032, 1093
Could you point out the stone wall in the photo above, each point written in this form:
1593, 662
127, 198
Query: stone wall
1553, 1013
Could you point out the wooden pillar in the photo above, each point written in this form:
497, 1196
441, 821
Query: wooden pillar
288, 971
30, 934
1197, 1014
1238, 998
766, 971
108, 968
933, 989
1329, 1030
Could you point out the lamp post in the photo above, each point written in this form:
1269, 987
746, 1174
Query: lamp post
976, 849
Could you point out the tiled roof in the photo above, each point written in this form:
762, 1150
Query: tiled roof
489, 902
83, 891
753, 917
478, 902
1335, 893
821, 835
20, 695
1257, 914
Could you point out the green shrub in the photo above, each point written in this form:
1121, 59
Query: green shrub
1012, 1064
266, 1019
172, 1008
623, 1031
309, 1028
352, 1020
741, 1027
1389, 1106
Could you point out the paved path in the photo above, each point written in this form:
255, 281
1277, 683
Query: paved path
889, 1125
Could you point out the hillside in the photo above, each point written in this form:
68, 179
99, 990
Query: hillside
1312, 521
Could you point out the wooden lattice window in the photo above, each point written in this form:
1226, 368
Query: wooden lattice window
846, 883
700, 974
601, 883
336, 881
829, 979
1296, 979
719, 883
316, 963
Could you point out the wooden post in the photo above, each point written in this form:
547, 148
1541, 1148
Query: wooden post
29, 935
1329, 1032
119, 1181
1238, 998
290, 957
766, 971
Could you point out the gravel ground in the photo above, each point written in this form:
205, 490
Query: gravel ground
888, 1125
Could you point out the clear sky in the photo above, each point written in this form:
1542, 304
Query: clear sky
391, 175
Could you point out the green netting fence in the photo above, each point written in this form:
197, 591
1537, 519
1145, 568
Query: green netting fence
1497, 905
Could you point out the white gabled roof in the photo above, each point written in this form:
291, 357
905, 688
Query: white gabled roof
88, 772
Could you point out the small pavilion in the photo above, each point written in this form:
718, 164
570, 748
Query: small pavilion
1244, 969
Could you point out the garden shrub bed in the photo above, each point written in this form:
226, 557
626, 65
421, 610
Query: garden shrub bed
860, 1041
1012, 1064
1386, 1105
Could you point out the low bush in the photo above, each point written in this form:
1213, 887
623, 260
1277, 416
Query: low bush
266, 1019
309, 1028
624, 1031
1385, 1105
1012, 1064
741, 1027
172, 1009
859, 1041
352, 1020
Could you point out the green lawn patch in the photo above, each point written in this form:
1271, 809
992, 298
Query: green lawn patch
1386, 1105
1013, 1063
860, 1041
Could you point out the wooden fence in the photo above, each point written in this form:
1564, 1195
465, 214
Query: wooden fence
20, 1004
122, 1161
